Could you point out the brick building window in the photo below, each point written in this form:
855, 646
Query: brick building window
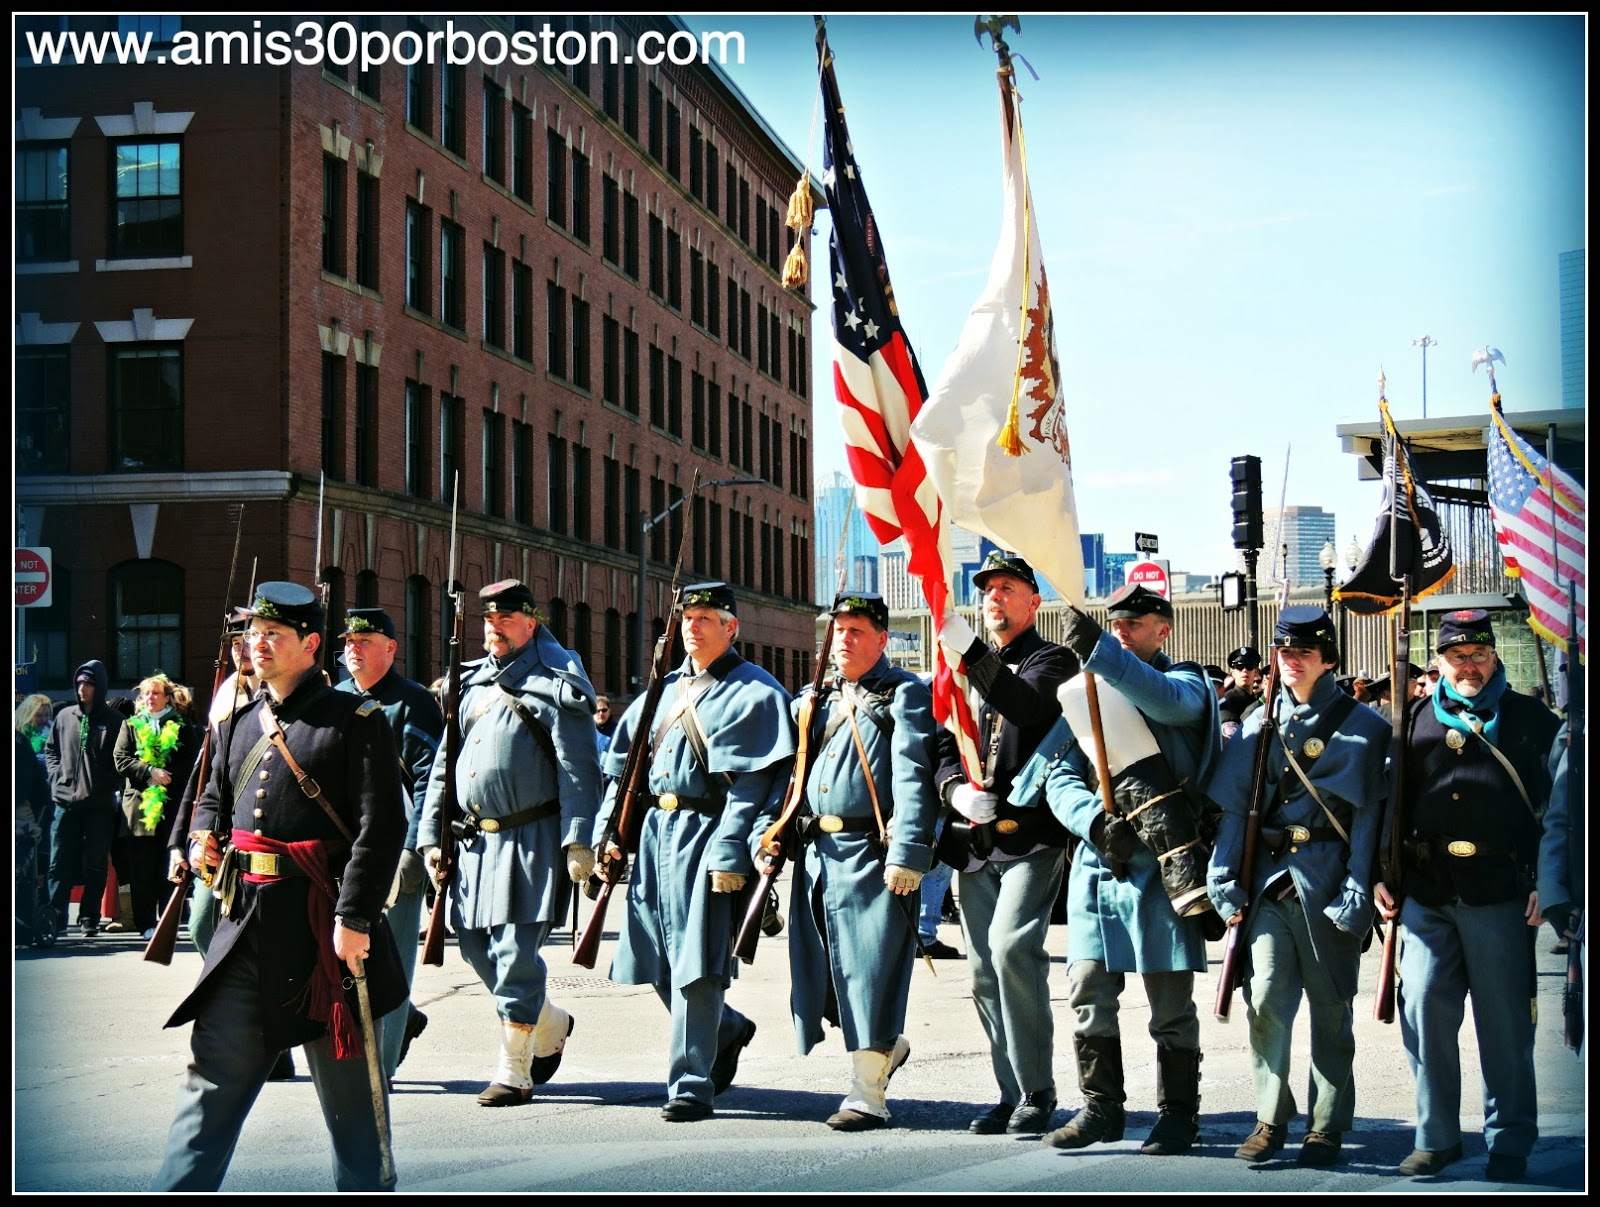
555, 193
146, 618
452, 275
630, 372
697, 167
452, 443
419, 610
419, 273
453, 109
366, 425
713, 301
630, 235
494, 456
611, 501
610, 361
419, 86
580, 196
146, 407
654, 136
521, 311
610, 221
494, 296
580, 343
556, 478
556, 330
714, 419
43, 401
147, 199
522, 151
494, 135
658, 390
366, 230
522, 472
631, 530
675, 270
657, 258
418, 441
674, 163
697, 288
44, 229
711, 175
674, 397
333, 416
582, 494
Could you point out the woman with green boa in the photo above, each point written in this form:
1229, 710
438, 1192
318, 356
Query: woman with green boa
155, 753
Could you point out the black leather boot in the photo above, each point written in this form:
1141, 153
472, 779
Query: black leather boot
1100, 1079
1178, 1099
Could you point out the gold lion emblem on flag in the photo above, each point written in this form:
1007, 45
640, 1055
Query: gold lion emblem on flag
1041, 375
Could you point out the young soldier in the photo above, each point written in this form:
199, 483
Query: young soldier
720, 752
865, 839
304, 881
1310, 907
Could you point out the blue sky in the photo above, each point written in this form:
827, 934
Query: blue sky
1243, 218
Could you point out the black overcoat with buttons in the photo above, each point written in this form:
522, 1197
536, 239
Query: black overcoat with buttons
1456, 790
346, 746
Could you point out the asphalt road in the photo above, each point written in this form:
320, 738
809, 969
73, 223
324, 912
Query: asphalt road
96, 1079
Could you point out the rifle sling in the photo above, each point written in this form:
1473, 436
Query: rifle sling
866, 766
536, 727
1326, 727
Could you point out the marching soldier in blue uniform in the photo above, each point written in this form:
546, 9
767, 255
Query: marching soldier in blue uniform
1310, 900
866, 838
1137, 881
300, 828
720, 755
1476, 784
1009, 859
528, 783
414, 718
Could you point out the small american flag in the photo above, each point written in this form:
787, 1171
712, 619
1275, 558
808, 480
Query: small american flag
1539, 522
880, 390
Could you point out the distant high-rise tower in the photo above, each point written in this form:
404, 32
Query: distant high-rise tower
1305, 530
860, 547
1572, 322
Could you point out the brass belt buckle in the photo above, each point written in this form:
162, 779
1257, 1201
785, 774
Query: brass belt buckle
261, 863
667, 801
1008, 826
1462, 848
1298, 833
489, 825
829, 824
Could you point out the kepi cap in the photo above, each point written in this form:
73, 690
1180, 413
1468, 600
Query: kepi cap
1135, 600
287, 603
862, 603
1005, 563
1468, 627
507, 595
367, 620
709, 595
1304, 625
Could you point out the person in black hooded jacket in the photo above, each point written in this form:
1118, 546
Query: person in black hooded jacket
84, 785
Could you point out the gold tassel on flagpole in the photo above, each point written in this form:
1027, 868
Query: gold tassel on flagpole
795, 269
1010, 438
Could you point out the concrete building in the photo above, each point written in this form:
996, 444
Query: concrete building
861, 550
1304, 531
559, 287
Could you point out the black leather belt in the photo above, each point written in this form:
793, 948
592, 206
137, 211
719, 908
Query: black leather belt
1443, 844
1291, 838
670, 801
812, 826
466, 828
265, 863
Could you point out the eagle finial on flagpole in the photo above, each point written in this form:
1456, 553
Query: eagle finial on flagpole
1486, 356
995, 27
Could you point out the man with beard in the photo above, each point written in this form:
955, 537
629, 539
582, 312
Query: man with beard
1476, 785
527, 783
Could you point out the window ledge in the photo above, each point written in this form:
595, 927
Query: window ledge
45, 266
145, 265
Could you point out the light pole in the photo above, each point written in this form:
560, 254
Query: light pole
1425, 342
1329, 560
646, 523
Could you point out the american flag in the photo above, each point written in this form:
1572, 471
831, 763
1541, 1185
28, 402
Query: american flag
880, 390
1538, 509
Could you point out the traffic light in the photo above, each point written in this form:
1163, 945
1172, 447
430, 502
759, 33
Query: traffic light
1247, 526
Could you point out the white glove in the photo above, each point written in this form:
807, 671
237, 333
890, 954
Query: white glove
974, 804
434, 858
176, 865
580, 862
956, 635
727, 882
902, 881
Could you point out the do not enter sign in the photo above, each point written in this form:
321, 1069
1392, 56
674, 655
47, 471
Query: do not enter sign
32, 579
1152, 575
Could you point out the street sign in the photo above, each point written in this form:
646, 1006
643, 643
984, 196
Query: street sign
1146, 542
32, 580
1153, 574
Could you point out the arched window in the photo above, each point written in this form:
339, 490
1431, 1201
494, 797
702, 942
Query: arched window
582, 644
367, 589
419, 607
614, 661
557, 608
146, 620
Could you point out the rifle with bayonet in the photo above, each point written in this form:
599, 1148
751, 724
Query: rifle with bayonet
621, 839
161, 945
1231, 974
449, 804
778, 838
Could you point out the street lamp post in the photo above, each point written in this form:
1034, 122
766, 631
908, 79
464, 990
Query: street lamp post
1425, 342
646, 523
1329, 559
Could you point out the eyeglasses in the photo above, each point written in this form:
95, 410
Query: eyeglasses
259, 637
1477, 658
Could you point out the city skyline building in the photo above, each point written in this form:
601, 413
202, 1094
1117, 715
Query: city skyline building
1295, 539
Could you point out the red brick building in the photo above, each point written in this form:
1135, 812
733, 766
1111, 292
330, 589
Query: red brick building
560, 286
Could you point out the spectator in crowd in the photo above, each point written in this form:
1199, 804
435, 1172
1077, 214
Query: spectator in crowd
83, 785
155, 753
34, 716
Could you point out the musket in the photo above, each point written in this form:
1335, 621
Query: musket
627, 816
1102, 767
1231, 974
161, 945
322, 586
449, 804
779, 836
